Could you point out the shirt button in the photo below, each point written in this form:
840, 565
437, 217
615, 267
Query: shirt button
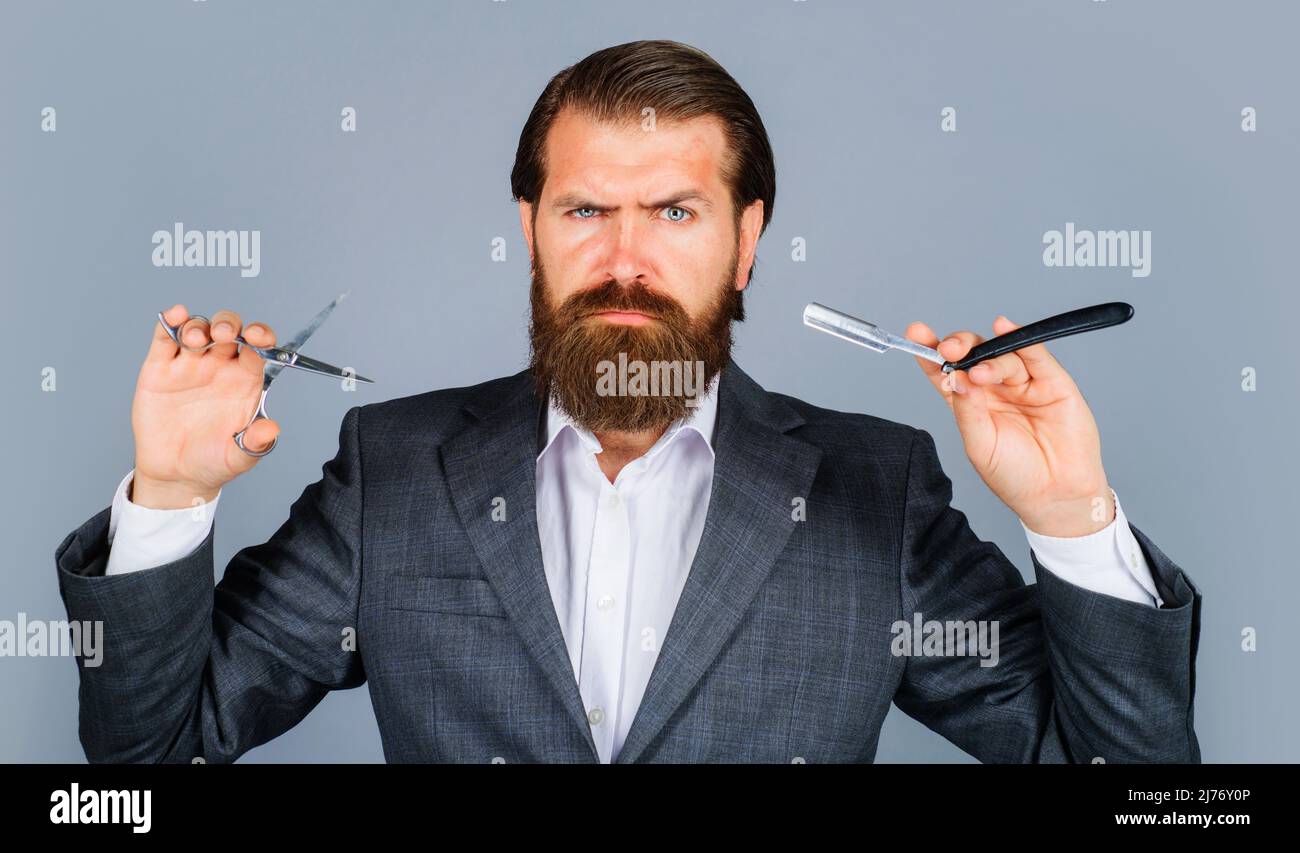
605, 602
614, 501
595, 716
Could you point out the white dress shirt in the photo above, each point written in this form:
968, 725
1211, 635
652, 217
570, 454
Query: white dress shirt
616, 555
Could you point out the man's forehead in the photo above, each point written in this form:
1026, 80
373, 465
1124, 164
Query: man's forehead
586, 154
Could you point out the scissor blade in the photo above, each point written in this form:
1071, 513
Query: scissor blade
862, 333
295, 343
311, 365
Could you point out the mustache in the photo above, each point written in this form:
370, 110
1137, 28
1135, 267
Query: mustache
611, 296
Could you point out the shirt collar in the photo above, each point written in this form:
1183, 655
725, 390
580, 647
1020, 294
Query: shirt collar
700, 419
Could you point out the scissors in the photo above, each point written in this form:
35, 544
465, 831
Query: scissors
280, 358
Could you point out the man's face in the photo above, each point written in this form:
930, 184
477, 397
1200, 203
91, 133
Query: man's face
635, 249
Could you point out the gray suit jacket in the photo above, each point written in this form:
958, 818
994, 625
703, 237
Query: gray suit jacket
779, 650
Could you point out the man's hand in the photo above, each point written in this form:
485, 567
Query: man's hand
188, 405
1027, 431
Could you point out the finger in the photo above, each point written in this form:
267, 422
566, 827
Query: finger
1005, 369
161, 345
1037, 360
971, 410
259, 335
1017, 371
194, 336
225, 326
958, 344
258, 437
924, 335
954, 348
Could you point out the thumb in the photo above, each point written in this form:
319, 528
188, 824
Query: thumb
259, 436
970, 407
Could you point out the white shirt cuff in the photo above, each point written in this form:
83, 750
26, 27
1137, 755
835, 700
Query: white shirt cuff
1109, 561
143, 538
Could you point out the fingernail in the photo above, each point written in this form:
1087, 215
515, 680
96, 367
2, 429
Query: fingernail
958, 385
223, 327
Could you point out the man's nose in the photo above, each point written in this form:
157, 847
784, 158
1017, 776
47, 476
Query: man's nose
626, 250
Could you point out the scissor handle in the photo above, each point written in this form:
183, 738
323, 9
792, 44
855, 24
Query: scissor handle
173, 332
258, 415
268, 353
279, 357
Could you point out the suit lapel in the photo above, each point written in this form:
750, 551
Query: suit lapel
758, 472
495, 460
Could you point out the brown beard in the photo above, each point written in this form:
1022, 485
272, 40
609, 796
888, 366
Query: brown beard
568, 347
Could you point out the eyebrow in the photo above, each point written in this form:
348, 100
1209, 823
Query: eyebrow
575, 200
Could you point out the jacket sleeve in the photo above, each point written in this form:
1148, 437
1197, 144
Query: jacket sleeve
191, 671
1079, 676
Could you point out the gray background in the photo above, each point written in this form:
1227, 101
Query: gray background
224, 114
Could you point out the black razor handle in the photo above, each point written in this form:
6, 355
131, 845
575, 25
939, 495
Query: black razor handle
1069, 323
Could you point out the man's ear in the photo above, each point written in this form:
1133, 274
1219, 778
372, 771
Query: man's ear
526, 220
751, 226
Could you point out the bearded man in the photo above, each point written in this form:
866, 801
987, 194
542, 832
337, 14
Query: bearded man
542, 569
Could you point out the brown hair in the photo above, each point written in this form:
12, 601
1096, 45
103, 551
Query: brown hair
676, 80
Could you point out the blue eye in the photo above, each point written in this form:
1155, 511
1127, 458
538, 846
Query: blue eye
580, 210
683, 211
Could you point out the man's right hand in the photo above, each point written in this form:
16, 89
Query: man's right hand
188, 406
